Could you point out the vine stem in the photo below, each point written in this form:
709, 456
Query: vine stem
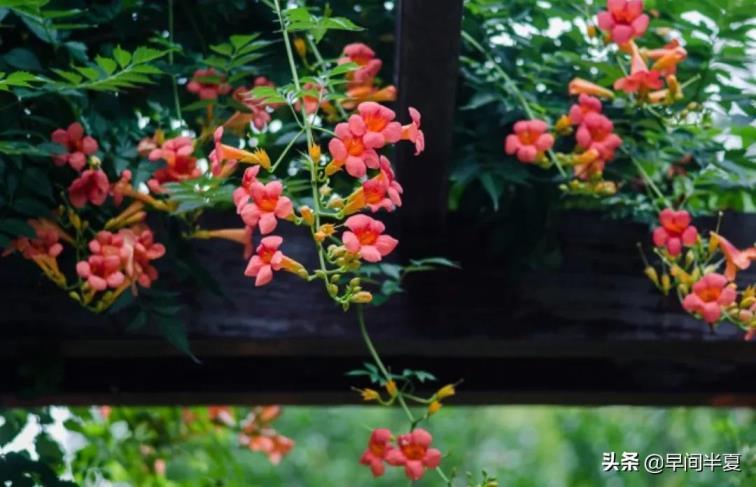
170, 62
512, 86
321, 62
308, 132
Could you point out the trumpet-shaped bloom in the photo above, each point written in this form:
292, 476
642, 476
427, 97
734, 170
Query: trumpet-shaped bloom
268, 259
46, 241
675, 231
382, 191
243, 193
180, 164
369, 65
378, 447
588, 164
412, 132
735, 259
667, 58
597, 132
208, 84
145, 250
106, 264
529, 140
623, 20
580, 86
414, 453
709, 295
365, 237
640, 80
348, 148
266, 206
375, 123
259, 111
77, 146
586, 104
91, 186
219, 166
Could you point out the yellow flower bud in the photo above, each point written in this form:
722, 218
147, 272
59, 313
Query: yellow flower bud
433, 408
315, 153
362, 297
591, 31
689, 257
666, 283
300, 46
307, 215
370, 395
447, 391
652, 274
563, 125
391, 388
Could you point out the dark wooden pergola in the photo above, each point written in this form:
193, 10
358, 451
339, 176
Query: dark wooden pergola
594, 332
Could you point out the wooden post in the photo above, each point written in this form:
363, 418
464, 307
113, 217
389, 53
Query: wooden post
427, 61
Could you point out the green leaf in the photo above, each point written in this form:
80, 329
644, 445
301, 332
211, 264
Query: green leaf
16, 228
122, 57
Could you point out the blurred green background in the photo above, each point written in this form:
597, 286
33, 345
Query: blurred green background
521, 445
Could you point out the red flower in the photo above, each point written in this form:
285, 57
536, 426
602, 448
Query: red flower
365, 237
208, 84
381, 191
529, 140
375, 454
363, 56
268, 259
586, 104
414, 453
349, 148
145, 250
375, 124
675, 231
77, 146
243, 193
46, 243
412, 132
105, 266
92, 186
624, 20
597, 132
266, 206
180, 164
735, 259
258, 114
709, 295
640, 80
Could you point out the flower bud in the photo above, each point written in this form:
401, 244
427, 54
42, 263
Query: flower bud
300, 46
370, 395
652, 274
315, 153
391, 388
666, 283
563, 126
433, 408
325, 190
689, 257
446, 391
307, 215
362, 297
591, 30
333, 289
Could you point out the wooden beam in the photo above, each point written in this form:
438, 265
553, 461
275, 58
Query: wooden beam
427, 69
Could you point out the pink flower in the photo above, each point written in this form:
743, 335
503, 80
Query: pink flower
208, 84
77, 146
120, 187
382, 191
106, 263
365, 237
219, 166
375, 123
258, 114
91, 186
145, 250
375, 454
414, 453
47, 241
349, 148
413, 133
180, 164
597, 132
586, 104
268, 259
243, 193
640, 80
362, 55
624, 20
675, 231
735, 259
266, 206
709, 295
529, 140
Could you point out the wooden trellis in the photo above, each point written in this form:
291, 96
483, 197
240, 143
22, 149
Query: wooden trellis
593, 332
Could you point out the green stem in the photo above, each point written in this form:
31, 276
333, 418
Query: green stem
649, 182
286, 150
308, 132
170, 62
514, 90
321, 63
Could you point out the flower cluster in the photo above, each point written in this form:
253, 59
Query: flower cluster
77, 146
361, 82
208, 84
412, 451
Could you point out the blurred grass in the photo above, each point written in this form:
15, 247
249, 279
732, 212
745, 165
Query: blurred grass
521, 445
